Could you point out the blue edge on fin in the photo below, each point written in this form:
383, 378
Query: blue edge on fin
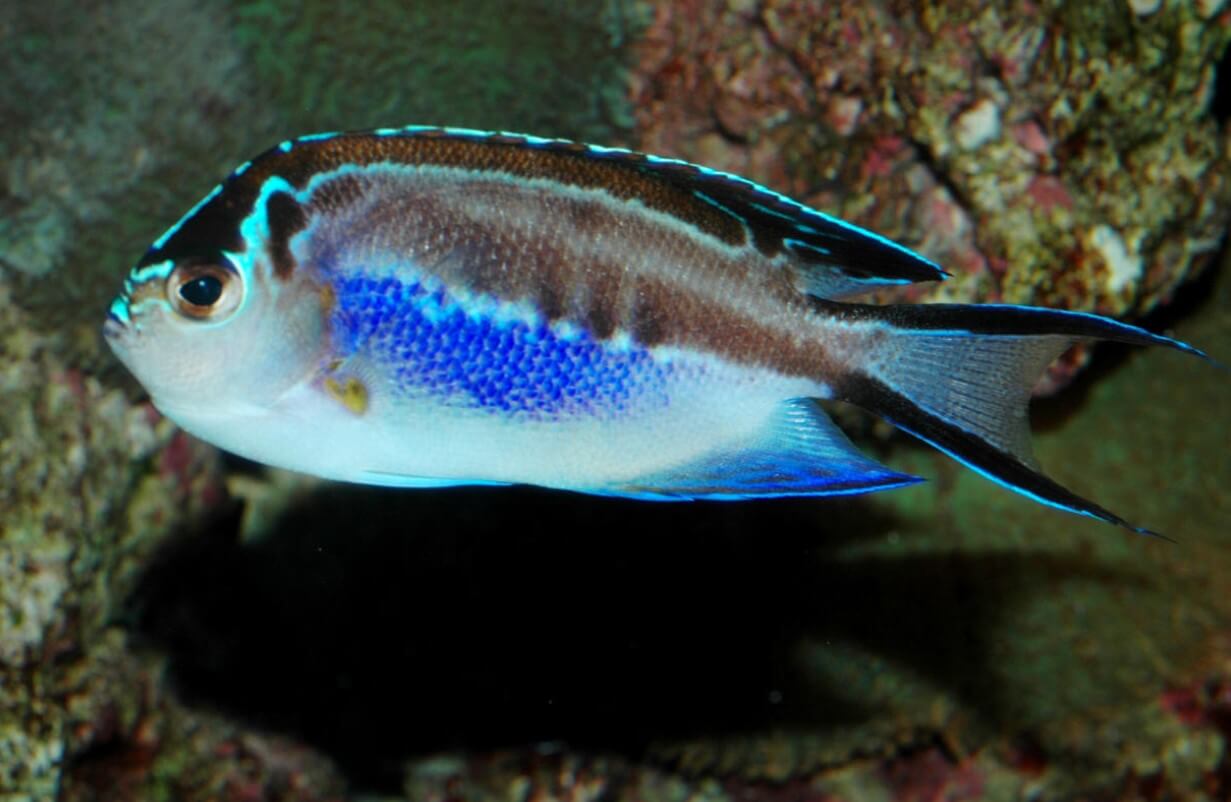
799, 453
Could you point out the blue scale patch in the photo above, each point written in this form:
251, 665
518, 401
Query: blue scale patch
488, 360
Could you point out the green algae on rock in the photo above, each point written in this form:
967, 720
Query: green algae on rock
537, 65
87, 122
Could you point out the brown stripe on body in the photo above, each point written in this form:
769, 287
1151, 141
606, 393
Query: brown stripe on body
605, 264
509, 155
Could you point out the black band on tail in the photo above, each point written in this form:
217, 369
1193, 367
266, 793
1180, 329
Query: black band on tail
1002, 320
973, 451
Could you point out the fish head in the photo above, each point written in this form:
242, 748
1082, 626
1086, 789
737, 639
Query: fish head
213, 335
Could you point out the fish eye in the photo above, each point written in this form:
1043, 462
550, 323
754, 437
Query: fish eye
204, 291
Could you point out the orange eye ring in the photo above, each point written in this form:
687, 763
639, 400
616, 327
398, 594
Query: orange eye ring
208, 291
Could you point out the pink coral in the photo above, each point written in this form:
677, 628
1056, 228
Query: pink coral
929, 776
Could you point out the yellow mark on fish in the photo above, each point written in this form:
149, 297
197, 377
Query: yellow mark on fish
351, 393
328, 298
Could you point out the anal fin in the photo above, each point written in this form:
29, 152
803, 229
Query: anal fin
800, 452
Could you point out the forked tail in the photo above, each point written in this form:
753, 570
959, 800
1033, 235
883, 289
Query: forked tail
960, 377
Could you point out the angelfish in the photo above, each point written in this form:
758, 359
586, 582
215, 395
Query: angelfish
423, 307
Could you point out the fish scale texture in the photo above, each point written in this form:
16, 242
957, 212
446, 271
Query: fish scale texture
434, 344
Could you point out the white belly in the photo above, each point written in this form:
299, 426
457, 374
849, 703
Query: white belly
420, 442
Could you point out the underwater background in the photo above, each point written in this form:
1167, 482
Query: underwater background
176, 624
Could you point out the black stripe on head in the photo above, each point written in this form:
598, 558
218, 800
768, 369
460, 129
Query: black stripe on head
285, 217
216, 225
969, 449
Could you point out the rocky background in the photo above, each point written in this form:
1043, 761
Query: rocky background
177, 625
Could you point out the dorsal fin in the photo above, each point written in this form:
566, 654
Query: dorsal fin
835, 258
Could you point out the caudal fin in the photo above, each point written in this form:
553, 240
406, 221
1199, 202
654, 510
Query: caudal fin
960, 378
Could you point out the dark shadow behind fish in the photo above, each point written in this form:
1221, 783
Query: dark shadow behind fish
379, 626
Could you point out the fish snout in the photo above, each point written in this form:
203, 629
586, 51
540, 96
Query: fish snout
115, 330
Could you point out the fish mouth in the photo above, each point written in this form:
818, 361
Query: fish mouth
114, 329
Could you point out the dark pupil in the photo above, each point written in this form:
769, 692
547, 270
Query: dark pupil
201, 291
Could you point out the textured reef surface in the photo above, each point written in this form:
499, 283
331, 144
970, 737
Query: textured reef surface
174, 625
90, 485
